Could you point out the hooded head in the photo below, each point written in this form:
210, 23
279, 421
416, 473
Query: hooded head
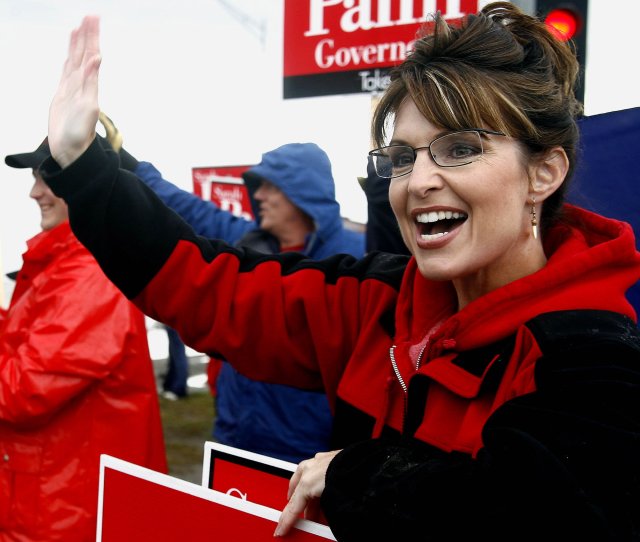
302, 171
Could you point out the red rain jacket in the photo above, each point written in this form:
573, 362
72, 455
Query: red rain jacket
76, 381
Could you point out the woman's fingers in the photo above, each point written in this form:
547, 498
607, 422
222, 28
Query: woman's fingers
295, 479
74, 109
294, 509
305, 488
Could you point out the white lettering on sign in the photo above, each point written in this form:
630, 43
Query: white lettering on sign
373, 83
358, 15
230, 199
234, 492
235, 208
326, 56
231, 193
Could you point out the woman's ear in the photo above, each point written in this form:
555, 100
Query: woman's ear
547, 172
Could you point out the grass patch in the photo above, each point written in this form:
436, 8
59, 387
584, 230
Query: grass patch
187, 424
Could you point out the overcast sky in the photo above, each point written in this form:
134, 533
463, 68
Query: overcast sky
196, 83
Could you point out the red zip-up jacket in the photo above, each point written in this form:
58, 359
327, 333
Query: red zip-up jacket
406, 375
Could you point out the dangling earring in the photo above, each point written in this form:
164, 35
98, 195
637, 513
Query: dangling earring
534, 220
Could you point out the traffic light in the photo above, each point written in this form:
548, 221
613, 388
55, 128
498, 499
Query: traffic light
568, 21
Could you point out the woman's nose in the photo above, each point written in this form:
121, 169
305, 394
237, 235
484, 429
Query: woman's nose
426, 175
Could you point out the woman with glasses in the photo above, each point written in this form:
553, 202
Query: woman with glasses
487, 386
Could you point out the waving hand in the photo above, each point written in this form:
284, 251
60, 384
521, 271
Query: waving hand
73, 113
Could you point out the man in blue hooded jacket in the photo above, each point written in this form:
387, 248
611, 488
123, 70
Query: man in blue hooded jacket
293, 197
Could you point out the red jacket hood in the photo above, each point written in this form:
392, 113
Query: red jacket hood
592, 262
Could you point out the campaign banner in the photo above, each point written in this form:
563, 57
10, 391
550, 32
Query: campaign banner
136, 503
225, 187
349, 46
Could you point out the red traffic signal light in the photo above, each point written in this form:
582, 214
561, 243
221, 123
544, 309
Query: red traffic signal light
564, 23
567, 21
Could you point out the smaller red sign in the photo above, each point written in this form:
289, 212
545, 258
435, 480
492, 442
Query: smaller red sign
225, 187
252, 477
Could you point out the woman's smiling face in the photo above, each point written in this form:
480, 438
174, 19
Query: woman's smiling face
469, 224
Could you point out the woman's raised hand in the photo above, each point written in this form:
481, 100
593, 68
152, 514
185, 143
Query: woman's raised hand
74, 110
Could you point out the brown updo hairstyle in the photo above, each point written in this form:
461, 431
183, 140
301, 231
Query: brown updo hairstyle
501, 69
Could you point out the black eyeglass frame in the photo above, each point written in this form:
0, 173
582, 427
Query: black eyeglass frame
373, 155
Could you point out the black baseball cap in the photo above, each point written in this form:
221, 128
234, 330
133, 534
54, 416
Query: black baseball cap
30, 160
33, 160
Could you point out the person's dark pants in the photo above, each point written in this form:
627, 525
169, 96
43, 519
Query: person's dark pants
175, 380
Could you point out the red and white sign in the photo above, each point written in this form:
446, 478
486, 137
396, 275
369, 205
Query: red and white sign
348, 46
225, 187
136, 504
250, 476
253, 477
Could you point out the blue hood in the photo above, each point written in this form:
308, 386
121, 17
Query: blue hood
303, 172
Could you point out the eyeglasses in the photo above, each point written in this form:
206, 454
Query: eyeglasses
450, 150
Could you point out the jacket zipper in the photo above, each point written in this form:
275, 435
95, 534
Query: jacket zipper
403, 384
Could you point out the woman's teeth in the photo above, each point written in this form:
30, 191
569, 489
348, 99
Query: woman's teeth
434, 224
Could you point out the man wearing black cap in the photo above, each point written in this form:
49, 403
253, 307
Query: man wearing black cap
53, 209
76, 381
